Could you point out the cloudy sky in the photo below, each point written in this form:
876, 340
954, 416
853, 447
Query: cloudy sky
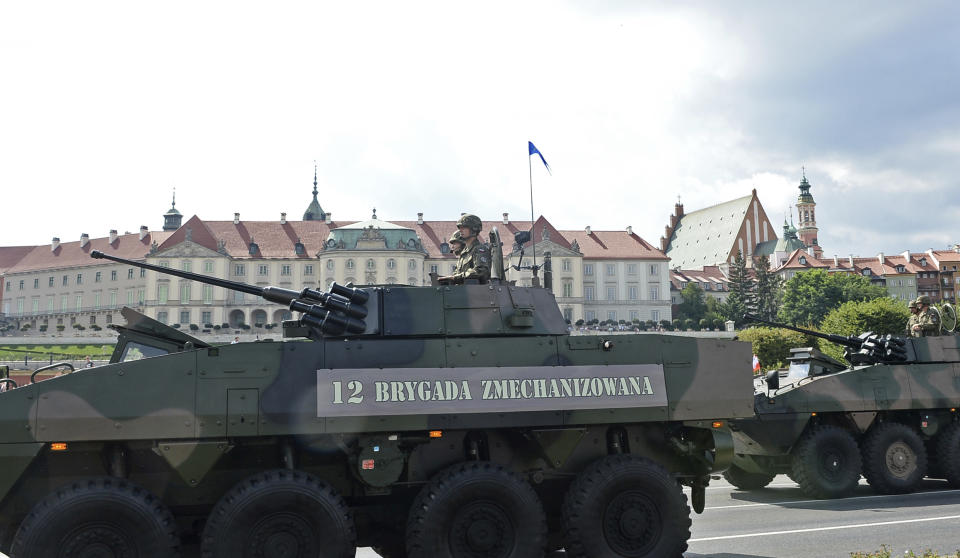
427, 107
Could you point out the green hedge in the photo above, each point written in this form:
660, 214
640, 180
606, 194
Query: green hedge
772, 345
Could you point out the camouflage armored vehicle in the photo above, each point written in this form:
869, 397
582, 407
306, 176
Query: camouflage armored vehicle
889, 416
455, 421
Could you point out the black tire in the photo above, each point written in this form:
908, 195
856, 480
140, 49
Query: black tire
894, 458
476, 510
948, 454
826, 462
391, 550
625, 505
280, 513
745, 480
101, 516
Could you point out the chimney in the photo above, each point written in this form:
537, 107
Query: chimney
663, 244
113, 235
587, 230
54, 244
419, 218
629, 230
881, 258
506, 218
283, 218
850, 259
329, 217
956, 248
84, 239
836, 261
143, 231
236, 218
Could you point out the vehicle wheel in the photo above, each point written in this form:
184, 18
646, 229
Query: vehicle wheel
476, 510
894, 458
625, 505
101, 516
393, 549
900, 458
280, 513
826, 462
747, 481
948, 454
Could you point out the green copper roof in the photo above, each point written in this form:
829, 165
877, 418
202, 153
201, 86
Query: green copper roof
705, 237
805, 195
373, 234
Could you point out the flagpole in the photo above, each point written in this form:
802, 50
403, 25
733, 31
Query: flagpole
533, 238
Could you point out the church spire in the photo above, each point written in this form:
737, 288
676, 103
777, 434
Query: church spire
172, 218
314, 212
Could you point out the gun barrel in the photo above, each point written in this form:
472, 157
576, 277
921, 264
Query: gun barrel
839, 339
225, 283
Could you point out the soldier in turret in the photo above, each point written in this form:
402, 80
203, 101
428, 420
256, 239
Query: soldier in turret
456, 243
928, 321
474, 262
913, 317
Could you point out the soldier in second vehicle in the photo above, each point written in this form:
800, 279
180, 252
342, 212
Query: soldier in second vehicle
474, 263
913, 317
928, 321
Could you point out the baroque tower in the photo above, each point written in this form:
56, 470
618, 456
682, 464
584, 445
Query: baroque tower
807, 231
314, 212
172, 218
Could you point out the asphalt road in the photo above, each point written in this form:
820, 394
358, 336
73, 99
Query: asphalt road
780, 522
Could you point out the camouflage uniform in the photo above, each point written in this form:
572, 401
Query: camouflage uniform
474, 263
912, 320
928, 320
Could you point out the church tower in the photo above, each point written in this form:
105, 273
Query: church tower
807, 231
314, 212
172, 218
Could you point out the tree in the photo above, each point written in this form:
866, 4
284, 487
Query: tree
693, 306
881, 315
809, 296
742, 287
769, 286
772, 345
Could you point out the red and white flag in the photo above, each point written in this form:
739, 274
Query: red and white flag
756, 364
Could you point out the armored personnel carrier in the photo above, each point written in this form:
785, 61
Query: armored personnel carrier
459, 420
889, 416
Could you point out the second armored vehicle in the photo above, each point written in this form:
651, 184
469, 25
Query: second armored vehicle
890, 416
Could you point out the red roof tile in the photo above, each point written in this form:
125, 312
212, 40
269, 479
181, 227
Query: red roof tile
10, 255
70, 254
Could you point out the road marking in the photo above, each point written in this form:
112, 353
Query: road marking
872, 496
815, 529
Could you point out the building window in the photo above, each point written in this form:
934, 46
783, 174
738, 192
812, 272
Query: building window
130, 294
371, 264
185, 293
113, 299
65, 279
79, 302
96, 301
350, 264
330, 265
184, 316
50, 281
611, 293
655, 315
412, 264
631, 269
206, 318
162, 317
612, 315
654, 269
113, 275
634, 315
391, 263
568, 289
285, 269
263, 269
186, 265
611, 270
588, 269
130, 273
588, 292
308, 269
208, 266
633, 293
163, 291
433, 269
208, 294
21, 284
141, 295
79, 278
143, 273
654, 292
64, 301
36, 283
238, 297
567, 265
707, 287
591, 315
96, 278
568, 314
239, 269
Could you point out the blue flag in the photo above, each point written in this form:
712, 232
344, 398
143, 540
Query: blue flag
533, 149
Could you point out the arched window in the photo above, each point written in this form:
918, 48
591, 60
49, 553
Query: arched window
391, 263
802, 260
412, 264
350, 264
330, 264
371, 264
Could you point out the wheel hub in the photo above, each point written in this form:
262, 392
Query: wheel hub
282, 535
831, 464
901, 460
96, 542
631, 524
482, 530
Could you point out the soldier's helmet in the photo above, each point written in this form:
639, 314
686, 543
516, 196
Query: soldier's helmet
913, 304
456, 237
470, 221
924, 299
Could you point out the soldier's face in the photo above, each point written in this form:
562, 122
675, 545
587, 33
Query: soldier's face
465, 232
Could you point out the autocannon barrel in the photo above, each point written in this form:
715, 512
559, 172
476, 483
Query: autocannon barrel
853, 342
348, 300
